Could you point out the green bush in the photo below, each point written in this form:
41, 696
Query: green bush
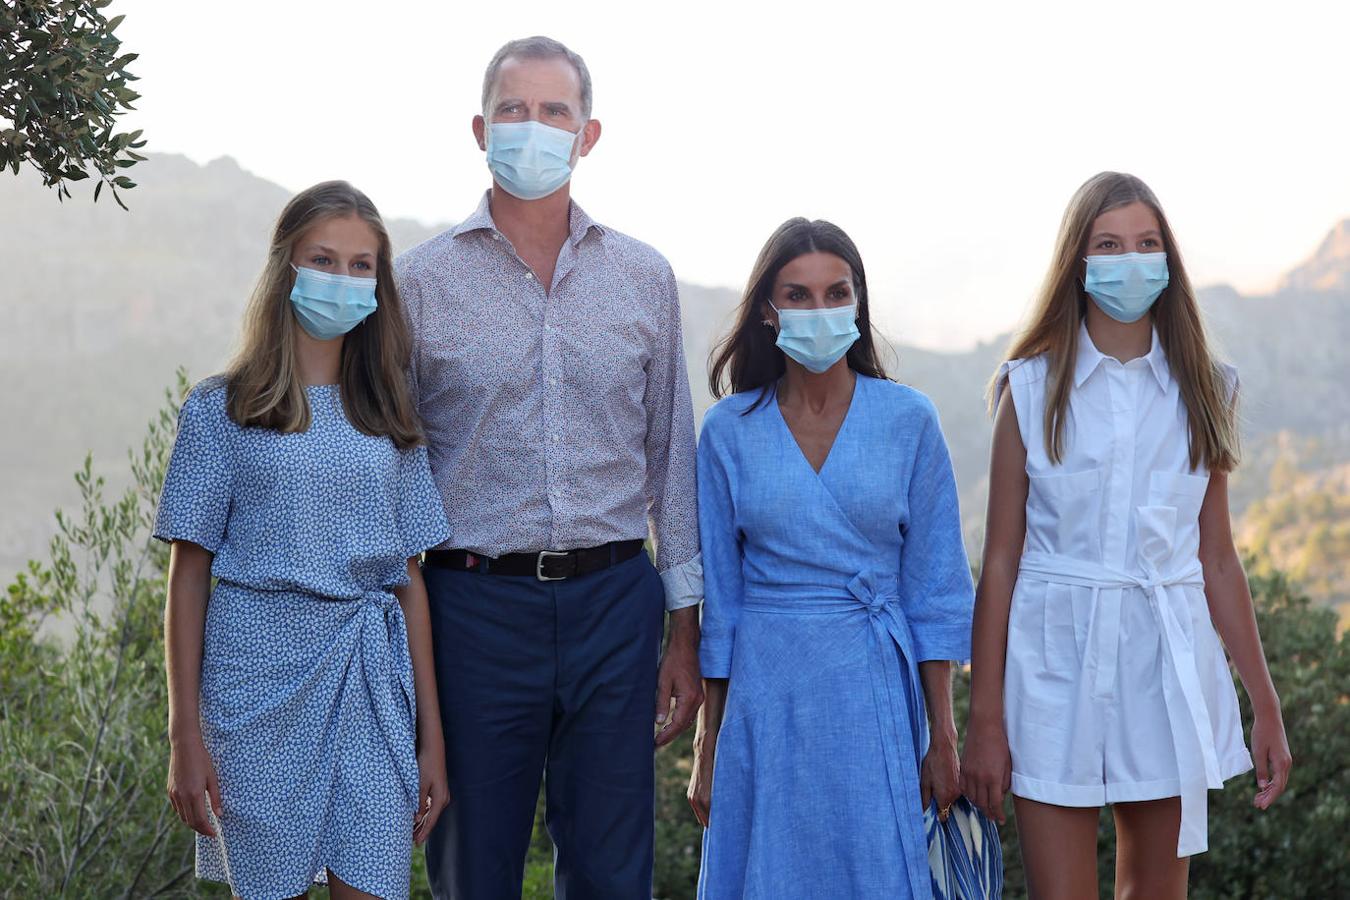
82, 722
84, 750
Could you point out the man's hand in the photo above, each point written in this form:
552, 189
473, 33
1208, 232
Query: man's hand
679, 687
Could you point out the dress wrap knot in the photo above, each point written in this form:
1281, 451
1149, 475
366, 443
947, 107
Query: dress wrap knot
383, 647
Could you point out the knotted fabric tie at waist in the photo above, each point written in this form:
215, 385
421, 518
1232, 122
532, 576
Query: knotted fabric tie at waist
895, 694
1187, 713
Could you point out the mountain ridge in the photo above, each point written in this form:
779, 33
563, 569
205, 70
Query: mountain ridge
103, 305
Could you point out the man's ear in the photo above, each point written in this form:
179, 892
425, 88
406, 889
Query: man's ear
590, 133
480, 132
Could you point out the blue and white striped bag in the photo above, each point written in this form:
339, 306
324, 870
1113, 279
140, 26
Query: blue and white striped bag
964, 853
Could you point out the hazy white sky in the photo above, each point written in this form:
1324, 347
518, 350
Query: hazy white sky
946, 138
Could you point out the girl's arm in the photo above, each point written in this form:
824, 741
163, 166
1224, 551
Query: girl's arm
434, 792
986, 766
191, 774
940, 775
705, 746
1230, 607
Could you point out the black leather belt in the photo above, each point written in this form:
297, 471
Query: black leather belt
546, 565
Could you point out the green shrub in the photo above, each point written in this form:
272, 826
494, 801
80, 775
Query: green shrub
84, 750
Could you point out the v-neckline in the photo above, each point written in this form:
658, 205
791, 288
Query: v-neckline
843, 423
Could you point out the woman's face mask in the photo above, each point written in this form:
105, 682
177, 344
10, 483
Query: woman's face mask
817, 310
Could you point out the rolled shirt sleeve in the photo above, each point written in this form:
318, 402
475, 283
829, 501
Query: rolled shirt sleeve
671, 485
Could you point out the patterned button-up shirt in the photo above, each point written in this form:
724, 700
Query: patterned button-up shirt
556, 418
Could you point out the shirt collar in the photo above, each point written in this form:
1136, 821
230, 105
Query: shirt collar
579, 224
1089, 358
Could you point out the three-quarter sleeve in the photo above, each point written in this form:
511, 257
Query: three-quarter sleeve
669, 448
935, 587
194, 504
421, 510
723, 582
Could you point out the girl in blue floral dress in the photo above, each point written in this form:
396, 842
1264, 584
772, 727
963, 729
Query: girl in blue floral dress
304, 729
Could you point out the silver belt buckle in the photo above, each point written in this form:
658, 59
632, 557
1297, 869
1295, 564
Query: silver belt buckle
539, 566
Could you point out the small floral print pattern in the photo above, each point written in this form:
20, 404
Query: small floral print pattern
307, 701
558, 416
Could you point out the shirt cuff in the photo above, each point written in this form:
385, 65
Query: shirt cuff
684, 584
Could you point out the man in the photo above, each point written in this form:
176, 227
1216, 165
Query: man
549, 371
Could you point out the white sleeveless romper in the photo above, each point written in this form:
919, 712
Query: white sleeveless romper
1116, 688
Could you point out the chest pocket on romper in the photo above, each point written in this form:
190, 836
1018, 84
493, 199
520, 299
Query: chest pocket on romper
1064, 513
1186, 494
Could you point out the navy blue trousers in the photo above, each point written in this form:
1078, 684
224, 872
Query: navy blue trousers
554, 680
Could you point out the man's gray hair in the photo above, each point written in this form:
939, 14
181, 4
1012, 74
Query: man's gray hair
537, 47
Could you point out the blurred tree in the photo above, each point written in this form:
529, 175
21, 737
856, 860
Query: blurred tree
62, 85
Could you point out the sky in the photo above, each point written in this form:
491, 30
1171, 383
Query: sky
945, 138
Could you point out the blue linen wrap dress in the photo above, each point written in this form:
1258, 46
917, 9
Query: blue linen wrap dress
823, 593
307, 703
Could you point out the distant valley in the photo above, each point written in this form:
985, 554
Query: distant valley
101, 306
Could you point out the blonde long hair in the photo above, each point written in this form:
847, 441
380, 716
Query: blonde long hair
263, 382
1061, 305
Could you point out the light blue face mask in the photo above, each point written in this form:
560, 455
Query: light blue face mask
817, 338
529, 160
329, 305
1125, 285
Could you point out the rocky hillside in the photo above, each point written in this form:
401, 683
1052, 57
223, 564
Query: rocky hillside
101, 306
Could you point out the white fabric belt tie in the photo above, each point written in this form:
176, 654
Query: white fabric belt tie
1187, 712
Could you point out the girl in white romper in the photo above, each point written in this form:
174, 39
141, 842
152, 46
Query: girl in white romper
1109, 562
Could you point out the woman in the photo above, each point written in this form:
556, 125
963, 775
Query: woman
304, 728
1108, 562
837, 594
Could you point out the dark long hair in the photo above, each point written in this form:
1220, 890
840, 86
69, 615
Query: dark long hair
748, 357
264, 385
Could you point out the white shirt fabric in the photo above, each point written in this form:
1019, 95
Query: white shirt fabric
1116, 686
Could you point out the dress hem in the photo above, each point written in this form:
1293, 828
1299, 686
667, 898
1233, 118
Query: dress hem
1088, 795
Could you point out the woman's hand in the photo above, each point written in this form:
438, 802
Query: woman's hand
700, 782
1270, 752
940, 775
986, 769
433, 792
191, 778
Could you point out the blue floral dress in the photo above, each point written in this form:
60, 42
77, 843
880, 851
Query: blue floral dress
307, 697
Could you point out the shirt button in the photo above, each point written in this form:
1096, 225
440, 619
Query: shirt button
529, 276
553, 382
556, 438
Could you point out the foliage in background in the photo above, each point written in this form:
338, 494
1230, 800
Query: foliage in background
84, 750
82, 721
63, 85
1300, 524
